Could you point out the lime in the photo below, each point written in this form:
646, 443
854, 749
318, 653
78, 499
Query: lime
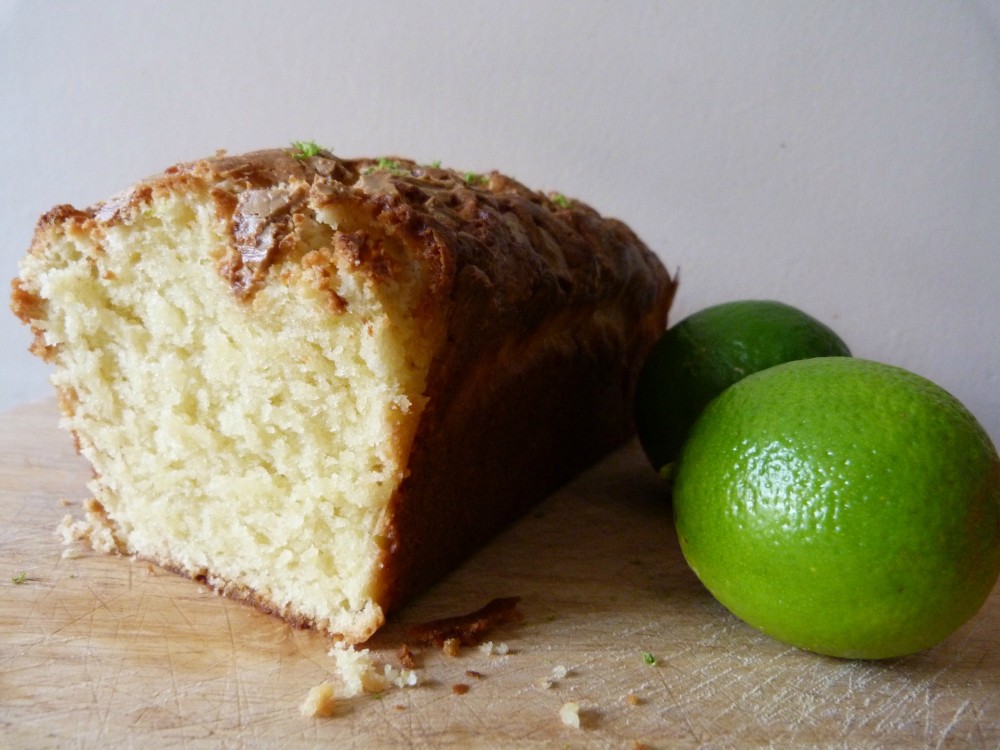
695, 360
843, 506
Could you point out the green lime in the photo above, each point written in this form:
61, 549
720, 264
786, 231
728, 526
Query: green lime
843, 506
697, 359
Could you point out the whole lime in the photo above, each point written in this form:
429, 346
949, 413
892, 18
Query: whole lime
695, 360
843, 506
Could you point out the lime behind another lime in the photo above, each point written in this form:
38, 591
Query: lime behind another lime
699, 357
844, 506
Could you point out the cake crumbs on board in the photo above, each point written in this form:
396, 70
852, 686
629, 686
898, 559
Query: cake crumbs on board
360, 672
320, 703
470, 628
94, 528
569, 714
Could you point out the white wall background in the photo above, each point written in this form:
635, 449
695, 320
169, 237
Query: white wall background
840, 156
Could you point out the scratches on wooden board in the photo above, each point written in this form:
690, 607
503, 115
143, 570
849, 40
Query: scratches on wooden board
94, 653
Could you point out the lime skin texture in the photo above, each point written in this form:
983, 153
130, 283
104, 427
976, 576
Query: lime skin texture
702, 355
843, 506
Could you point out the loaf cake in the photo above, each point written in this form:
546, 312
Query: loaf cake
317, 383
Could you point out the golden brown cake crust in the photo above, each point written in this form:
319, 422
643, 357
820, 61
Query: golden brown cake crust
507, 256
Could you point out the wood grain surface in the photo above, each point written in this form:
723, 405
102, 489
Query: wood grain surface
103, 651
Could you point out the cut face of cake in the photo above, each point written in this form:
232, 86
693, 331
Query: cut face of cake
317, 384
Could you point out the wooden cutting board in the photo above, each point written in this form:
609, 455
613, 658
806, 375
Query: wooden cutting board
100, 651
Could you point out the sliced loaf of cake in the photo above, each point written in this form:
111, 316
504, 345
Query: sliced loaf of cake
318, 383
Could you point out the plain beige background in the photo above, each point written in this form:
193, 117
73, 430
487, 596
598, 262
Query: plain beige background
840, 156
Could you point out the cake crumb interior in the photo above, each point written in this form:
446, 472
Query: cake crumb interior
299, 418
